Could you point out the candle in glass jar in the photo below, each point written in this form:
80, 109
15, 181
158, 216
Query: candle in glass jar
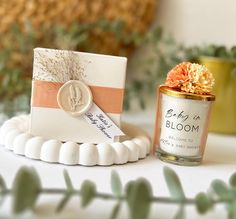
182, 120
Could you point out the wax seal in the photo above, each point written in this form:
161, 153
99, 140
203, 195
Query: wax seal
75, 97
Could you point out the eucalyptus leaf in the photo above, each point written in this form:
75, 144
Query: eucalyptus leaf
220, 188
221, 52
2, 188
173, 183
142, 103
203, 203
68, 180
2, 184
180, 213
139, 195
26, 188
233, 52
62, 204
232, 193
232, 180
231, 209
115, 211
116, 185
129, 185
2, 66
88, 192
157, 34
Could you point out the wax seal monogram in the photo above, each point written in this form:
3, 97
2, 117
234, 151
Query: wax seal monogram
75, 97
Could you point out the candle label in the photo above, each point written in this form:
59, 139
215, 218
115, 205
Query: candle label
182, 125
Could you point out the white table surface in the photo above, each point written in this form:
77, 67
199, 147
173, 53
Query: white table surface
219, 162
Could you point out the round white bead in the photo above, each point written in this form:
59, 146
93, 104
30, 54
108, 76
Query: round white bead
50, 151
147, 141
121, 153
8, 125
33, 147
133, 150
69, 153
88, 155
23, 126
20, 142
106, 154
1, 138
17, 120
142, 147
10, 137
5, 129
24, 117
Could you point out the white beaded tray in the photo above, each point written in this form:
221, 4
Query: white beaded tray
14, 136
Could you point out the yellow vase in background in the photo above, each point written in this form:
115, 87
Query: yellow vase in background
223, 118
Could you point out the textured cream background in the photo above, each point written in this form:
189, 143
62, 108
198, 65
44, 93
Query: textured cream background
199, 21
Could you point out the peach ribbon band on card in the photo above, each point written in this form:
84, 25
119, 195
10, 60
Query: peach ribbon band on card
44, 94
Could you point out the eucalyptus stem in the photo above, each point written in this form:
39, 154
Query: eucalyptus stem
137, 194
99, 195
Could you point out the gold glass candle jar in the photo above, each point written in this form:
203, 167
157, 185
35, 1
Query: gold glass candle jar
184, 107
182, 125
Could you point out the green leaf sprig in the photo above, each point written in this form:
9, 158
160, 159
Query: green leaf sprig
136, 194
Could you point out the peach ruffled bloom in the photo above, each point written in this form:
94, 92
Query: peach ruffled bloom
191, 78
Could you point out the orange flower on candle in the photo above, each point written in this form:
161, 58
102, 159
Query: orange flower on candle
190, 78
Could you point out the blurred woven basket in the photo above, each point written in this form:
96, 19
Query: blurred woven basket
65, 24
136, 14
